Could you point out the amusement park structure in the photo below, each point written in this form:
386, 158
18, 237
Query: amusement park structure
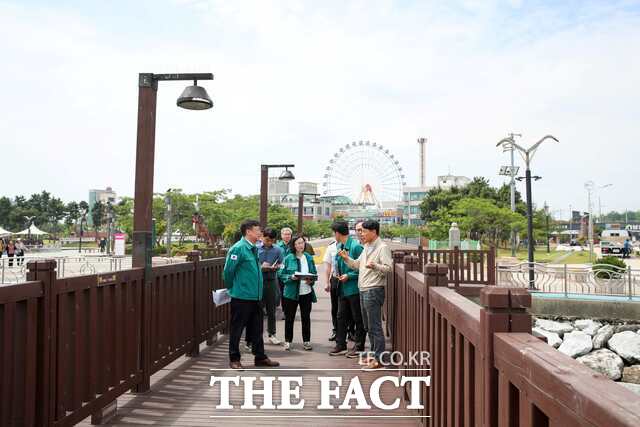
366, 172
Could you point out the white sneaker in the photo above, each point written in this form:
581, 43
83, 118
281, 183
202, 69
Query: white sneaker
287, 346
274, 340
245, 348
307, 346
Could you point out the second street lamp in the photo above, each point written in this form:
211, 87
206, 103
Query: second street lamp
301, 207
286, 175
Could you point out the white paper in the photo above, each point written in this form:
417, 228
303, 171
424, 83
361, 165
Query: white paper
221, 297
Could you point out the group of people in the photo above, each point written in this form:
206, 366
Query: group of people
262, 273
13, 250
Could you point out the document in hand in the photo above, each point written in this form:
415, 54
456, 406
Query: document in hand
221, 297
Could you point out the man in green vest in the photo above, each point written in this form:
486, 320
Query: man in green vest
243, 278
349, 299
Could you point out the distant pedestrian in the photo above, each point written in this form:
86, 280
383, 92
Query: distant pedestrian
20, 250
626, 249
11, 252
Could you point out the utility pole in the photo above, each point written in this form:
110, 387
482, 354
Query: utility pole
570, 225
589, 185
511, 173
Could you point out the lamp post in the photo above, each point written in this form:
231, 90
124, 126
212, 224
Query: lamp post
286, 175
511, 171
546, 217
193, 98
301, 207
83, 219
527, 155
590, 186
109, 226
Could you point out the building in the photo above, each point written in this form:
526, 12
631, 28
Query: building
277, 189
448, 181
104, 196
412, 197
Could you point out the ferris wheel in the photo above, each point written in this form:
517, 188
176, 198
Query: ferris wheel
365, 172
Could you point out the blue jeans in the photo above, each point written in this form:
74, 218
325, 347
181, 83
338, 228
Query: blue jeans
371, 302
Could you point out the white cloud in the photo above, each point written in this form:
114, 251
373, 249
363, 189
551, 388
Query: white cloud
296, 80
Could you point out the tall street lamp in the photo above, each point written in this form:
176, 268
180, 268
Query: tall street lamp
301, 207
286, 175
511, 171
527, 156
83, 220
193, 98
590, 186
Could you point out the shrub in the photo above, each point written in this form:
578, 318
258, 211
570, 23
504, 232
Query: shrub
609, 267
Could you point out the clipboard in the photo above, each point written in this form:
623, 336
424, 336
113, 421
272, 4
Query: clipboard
305, 275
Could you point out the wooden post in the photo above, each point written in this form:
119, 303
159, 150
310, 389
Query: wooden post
45, 271
194, 257
504, 310
491, 265
456, 266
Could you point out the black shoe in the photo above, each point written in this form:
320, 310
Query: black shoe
338, 351
332, 337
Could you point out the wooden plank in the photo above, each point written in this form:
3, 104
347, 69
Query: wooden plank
31, 367
6, 385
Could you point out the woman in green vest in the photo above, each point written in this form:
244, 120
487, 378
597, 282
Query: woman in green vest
297, 291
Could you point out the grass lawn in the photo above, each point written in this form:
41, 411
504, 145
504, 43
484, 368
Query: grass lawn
554, 257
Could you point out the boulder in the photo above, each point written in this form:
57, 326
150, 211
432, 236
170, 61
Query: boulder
627, 345
553, 339
628, 327
633, 387
631, 374
588, 326
559, 328
604, 361
603, 335
575, 344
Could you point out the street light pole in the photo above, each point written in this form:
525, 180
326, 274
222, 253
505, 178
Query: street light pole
546, 215
167, 200
287, 175
527, 155
301, 208
193, 98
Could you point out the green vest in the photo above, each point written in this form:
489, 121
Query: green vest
292, 287
242, 274
350, 287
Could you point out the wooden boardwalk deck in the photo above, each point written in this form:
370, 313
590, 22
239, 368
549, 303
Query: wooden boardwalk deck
180, 393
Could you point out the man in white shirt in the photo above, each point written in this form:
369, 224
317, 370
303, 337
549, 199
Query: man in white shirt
332, 287
373, 264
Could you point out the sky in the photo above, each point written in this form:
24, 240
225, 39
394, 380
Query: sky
296, 80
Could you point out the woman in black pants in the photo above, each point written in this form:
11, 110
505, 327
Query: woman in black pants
297, 291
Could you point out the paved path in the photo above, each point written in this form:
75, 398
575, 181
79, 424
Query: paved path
180, 393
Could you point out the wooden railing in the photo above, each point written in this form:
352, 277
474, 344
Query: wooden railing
464, 266
69, 347
486, 368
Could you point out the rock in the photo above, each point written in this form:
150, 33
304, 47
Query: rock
604, 361
633, 387
575, 344
631, 374
627, 345
553, 339
631, 327
603, 335
588, 326
559, 328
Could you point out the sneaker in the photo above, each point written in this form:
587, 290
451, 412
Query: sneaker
351, 337
287, 346
245, 348
273, 340
338, 351
332, 337
307, 346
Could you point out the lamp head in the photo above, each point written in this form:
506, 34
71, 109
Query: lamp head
195, 98
286, 175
